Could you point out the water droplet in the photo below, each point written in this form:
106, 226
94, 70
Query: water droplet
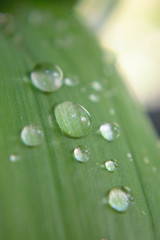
81, 154
158, 143
94, 98
130, 157
109, 131
146, 160
154, 169
119, 199
36, 17
47, 77
83, 90
144, 213
110, 165
65, 42
96, 86
71, 82
32, 135
112, 111
14, 158
73, 119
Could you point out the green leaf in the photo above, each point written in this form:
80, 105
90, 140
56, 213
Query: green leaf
46, 193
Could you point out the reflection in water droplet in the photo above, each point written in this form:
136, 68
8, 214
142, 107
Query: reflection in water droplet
14, 158
130, 157
119, 199
110, 165
71, 82
109, 131
47, 77
94, 98
73, 119
32, 135
81, 154
96, 86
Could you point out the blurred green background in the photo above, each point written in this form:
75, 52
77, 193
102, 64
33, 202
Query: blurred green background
131, 28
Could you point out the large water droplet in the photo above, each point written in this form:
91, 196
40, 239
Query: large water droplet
32, 135
14, 158
109, 131
119, 199
110, 165
73, 119
47, 77
81, 154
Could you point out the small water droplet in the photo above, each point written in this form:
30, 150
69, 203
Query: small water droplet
47, 77
110, 165
71, 81
154, 169
109, 131
94, 98
158, 143
97, 86
130, 157
146, 160
14, 158
73, 119
111, 111
32, 135
81, 154
83, 90
144, 213
119, 199
36, 17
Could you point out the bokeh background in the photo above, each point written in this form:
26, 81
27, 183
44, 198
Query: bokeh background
131, 29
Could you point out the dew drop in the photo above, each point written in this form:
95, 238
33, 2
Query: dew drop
130, 157
32, 135
14, 158
81, 154
109, 131
110, 165
119, 199
47, 77
112, 111
71, 82
154, 169
73, 119
94, 98
96, 86
146, 160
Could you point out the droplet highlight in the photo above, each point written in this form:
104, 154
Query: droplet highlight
119, 199
73, 119
110, 165
109, 131
47, 77
81, 154
32, 135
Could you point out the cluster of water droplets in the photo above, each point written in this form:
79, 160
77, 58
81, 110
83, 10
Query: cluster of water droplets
74, 121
